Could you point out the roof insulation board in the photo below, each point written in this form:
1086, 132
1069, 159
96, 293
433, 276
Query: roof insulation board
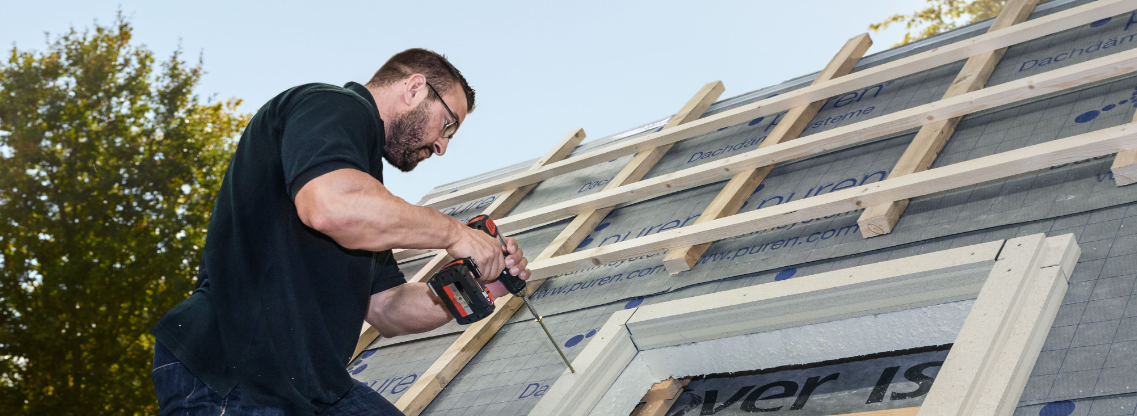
1089, 356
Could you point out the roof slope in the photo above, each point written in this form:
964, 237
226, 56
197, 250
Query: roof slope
1090, 355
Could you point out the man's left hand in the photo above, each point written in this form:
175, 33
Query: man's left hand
515, 264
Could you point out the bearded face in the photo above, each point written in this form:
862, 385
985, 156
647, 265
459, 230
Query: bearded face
405, 145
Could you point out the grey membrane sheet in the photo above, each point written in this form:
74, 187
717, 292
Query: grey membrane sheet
1089, 352
1091, 349
861, 385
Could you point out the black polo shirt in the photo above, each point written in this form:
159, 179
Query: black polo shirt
278, 306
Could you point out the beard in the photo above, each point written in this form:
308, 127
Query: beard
402, 149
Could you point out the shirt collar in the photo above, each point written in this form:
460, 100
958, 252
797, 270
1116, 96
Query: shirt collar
362, 91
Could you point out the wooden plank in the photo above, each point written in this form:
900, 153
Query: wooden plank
582, 225
879, 219
1125, 168
998, 166
1125, 165
406, 253
659, 399
987, 330
857, 133
597, 367
435, 378
1057, 22
504, 202
730, 199
664, 390
905, 283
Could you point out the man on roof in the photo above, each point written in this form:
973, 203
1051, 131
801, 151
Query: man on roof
298, 253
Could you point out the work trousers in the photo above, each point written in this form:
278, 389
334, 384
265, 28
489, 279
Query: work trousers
180, 393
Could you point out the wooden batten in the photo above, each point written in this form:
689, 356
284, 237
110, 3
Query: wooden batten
659, 399
742, 185
879, 219
1124, 167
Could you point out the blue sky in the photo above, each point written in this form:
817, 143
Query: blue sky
540, 69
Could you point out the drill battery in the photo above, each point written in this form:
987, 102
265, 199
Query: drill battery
463, 294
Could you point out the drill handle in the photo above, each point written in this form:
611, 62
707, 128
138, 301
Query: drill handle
512, 283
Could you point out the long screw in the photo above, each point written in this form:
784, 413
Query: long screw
537, 317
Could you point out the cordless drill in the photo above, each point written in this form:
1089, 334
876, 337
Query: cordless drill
467, 299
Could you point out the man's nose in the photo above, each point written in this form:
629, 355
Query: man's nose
440, 146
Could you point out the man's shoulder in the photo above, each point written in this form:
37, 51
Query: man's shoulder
322, 93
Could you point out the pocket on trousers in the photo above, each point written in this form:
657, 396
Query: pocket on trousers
170, 385
174, 384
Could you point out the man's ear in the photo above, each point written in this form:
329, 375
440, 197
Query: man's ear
414, 90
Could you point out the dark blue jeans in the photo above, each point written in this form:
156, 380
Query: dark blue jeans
180, 393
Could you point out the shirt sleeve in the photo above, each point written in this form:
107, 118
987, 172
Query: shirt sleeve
387, 273
323, 132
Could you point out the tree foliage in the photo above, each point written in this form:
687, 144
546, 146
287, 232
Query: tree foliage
941, 16
109, 164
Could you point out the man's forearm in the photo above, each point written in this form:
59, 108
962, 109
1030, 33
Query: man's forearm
409, 308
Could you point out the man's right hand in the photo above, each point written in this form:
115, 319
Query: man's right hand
485, 250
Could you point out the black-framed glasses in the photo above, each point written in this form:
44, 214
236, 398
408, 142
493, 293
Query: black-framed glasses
448, 127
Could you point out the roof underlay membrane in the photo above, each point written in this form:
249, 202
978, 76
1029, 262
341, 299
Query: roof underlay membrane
1089, 361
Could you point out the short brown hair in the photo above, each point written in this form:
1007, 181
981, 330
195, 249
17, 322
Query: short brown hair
434, 66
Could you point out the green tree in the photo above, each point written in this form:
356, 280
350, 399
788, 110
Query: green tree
941, 16
109, 164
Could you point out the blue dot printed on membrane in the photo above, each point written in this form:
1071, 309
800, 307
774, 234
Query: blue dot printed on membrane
1092, 114
1101, 22
573, 341
1087, 116
602, 226
723, 128
634, 302
590, 333
1062, 408
367, 353
359, 369
756, 121
585, 242
785, 274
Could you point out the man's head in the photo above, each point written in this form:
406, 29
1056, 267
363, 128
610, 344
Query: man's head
423, 99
